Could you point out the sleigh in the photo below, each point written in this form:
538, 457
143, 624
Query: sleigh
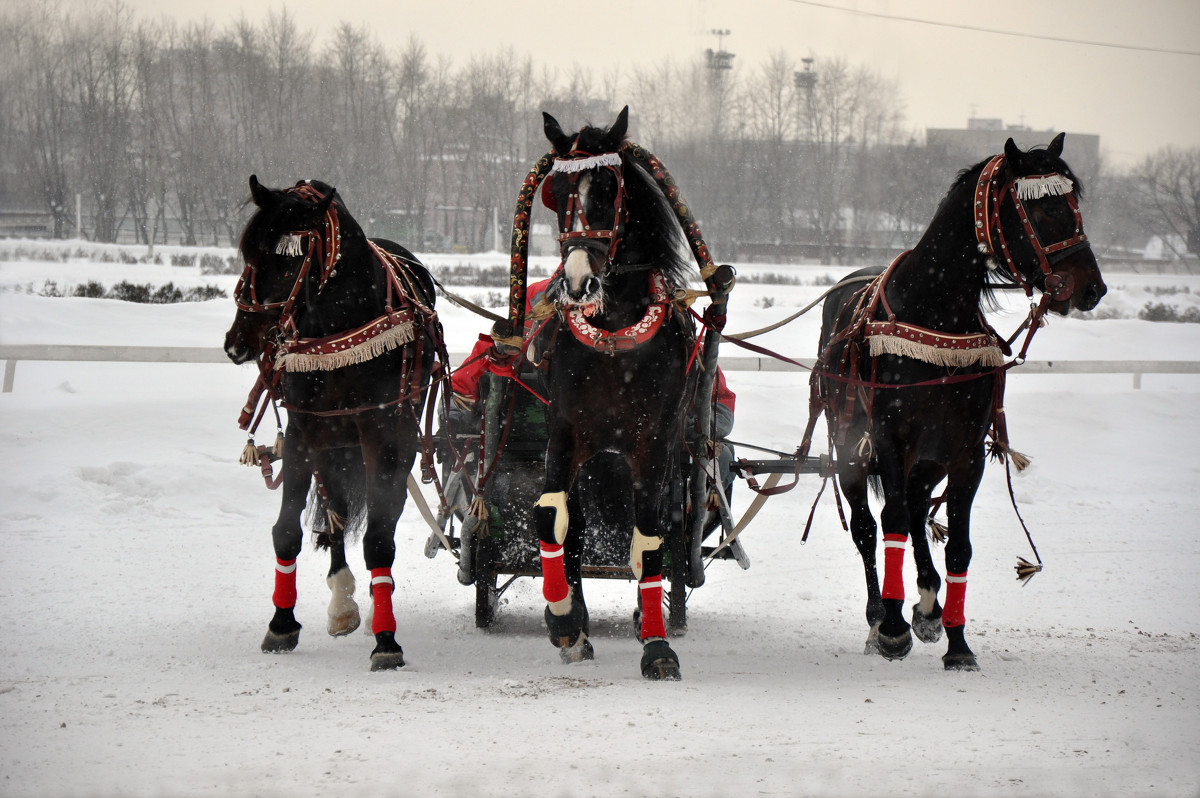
492, 532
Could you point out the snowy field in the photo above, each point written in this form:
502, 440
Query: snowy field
136, 583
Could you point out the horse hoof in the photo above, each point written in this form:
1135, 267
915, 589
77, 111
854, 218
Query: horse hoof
564, 630
344, 624
893, 648
283, 633
387, 656
581, 651
960, 662
927, 628
280, 643
659, 662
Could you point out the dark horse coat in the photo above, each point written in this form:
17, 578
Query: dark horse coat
911, 376
346, 338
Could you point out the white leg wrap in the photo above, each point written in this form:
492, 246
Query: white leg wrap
641, 543
559, 502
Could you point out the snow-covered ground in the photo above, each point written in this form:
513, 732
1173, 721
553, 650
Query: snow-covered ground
135, 589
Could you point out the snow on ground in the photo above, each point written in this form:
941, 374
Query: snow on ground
135, 589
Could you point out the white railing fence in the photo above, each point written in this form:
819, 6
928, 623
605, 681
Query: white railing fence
12, 354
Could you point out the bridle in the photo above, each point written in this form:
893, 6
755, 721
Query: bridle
577, 230
321, 245
990, 195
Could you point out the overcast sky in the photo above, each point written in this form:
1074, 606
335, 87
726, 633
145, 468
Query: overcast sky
1126, 70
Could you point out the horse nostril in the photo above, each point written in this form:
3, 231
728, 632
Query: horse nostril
591, 285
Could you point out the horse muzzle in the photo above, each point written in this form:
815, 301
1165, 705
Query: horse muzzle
237, 350
581, 284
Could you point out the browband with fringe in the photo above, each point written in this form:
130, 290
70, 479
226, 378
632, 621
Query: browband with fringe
583, 164
1042, 186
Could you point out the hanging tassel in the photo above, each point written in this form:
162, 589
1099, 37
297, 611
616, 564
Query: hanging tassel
277, 449
937, 530
1026, 570
249, 453
865, 448
478, 509
1019, 461
999, 451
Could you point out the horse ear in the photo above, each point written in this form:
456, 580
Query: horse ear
1013, 154
616, 133
261, 195
1056, 146
326, 201
554, 132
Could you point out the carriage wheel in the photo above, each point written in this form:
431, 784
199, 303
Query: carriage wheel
485, 598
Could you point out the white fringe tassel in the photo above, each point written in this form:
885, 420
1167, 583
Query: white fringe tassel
289, 246
394, 338
950, 358
583, 164
1045, 186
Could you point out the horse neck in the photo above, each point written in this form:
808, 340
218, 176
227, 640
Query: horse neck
939, 284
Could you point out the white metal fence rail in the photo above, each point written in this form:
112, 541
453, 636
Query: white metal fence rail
12, 354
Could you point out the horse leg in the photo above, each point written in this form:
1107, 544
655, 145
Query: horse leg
572, 558
344, 616
659, 661
283, 633
895, 635
387, 464
960, 494
853, 482
566, 619
344, 469
927, 612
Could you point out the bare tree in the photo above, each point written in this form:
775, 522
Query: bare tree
1168, 186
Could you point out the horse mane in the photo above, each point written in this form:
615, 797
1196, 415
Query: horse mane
660, 234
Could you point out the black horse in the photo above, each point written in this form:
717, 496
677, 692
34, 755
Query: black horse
911, 377
618, 371
346, 338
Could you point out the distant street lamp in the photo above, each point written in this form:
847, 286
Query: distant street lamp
806, 81
719, 59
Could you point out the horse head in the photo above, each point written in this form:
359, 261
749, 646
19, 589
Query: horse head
1036, 223
586, 189
289, 229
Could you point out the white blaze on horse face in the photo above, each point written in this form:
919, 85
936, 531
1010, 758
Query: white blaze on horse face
578, 265
559, 502
640, 545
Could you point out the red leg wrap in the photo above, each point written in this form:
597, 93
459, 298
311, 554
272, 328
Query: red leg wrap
652, 614
285, 584
954, 613
383, 619
893, 566
554, 578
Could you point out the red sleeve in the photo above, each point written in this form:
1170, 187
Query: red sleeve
465, 379
721, 391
